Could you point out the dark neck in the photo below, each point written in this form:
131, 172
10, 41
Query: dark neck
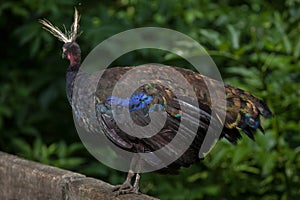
70, 79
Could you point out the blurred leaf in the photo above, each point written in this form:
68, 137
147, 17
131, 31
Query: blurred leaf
234, 36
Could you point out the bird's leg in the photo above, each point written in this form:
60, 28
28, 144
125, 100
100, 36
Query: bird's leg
126, 187
136, 186
127, 184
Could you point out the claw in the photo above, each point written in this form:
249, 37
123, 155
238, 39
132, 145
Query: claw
124, 186
129, 190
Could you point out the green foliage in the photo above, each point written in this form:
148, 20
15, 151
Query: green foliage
58, 154
255, 44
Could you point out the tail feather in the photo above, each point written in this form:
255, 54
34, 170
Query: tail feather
261, 129
264, 109
248, 132
232, 135
243, 112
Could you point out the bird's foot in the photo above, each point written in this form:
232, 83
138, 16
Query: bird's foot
125, 188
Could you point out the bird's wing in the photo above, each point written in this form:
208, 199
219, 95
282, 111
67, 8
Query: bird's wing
148, 99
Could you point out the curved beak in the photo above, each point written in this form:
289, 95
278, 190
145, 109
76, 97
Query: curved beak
64, 53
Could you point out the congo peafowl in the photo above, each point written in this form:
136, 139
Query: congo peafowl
243, 110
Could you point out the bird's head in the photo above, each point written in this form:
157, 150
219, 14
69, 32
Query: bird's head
71, 49
72, 52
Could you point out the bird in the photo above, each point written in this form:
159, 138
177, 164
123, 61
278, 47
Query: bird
243, 110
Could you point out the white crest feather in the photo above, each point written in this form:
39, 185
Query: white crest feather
64, 37
75, 26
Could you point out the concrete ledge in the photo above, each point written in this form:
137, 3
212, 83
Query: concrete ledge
23, 179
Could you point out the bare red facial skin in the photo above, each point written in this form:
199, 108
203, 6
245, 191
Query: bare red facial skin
72, 59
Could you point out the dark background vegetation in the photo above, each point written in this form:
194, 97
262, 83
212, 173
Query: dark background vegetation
255, 44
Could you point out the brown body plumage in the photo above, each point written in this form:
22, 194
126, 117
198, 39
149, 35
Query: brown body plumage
242, 107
